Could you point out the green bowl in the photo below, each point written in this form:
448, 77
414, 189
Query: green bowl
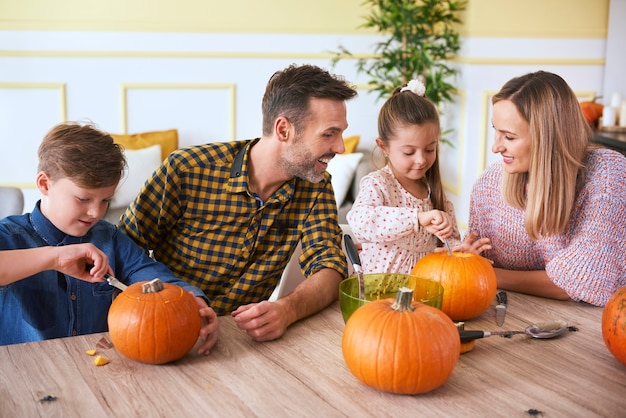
386, 285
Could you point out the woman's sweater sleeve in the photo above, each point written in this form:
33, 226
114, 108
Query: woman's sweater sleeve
591, 266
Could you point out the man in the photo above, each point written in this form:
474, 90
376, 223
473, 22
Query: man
227, 216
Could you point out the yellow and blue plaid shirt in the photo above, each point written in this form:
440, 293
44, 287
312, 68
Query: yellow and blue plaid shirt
198, 216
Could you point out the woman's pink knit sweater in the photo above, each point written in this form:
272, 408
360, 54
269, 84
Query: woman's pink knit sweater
587, 260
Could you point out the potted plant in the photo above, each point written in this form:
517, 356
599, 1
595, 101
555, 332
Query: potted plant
422, 37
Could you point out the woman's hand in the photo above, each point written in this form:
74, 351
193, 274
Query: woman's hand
472, 245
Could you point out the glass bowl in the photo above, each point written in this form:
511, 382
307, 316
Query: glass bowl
386, 285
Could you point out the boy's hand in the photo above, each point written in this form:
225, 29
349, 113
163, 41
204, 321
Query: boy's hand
83, 261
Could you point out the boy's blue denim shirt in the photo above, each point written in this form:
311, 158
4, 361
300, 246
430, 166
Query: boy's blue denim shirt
51, 304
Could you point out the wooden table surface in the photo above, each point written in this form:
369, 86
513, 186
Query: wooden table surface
303, 374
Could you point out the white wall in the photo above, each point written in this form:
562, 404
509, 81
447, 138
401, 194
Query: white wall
209, 87
615, 69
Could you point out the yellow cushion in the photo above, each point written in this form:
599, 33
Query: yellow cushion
351, 143
168, 140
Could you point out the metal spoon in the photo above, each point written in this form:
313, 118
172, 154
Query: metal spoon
549, 329
353, 255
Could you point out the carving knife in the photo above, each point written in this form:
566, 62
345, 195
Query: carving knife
114, 282
500, 307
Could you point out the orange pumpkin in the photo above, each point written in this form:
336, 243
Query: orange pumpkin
468, 280
154, 326
592, 111
614, 325
400, 346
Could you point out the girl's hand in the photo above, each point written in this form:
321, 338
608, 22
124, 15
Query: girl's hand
436, 222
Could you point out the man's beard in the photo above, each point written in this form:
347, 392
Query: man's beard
300, 163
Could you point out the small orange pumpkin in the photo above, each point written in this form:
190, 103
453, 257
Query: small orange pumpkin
154, 322
400, 346
468, 280
592, 111
614, 325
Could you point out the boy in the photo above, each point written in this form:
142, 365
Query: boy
79, 169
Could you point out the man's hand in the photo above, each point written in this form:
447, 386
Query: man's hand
263, 321
210, 327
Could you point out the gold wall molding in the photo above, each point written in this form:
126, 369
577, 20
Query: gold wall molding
229, 87
457, 188
484, 128
281, 55
171, 54
27, 185
60, 87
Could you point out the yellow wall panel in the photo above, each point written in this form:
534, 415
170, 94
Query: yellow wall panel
242, 16
483, 18
536, 18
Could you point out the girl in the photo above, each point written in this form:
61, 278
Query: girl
401, 212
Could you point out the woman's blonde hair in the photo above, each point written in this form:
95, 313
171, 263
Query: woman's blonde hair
560, 137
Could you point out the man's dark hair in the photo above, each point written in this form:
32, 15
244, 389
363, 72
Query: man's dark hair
288, 93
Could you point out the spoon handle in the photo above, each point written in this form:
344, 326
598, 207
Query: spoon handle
505, 333
469, 335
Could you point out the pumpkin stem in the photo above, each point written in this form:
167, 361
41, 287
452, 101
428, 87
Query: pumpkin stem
153, 286
403, 300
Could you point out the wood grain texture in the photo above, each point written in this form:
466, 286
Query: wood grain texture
303, 374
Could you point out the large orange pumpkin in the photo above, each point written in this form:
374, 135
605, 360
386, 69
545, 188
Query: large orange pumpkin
400, 346
468, 280
154, 326
614, 325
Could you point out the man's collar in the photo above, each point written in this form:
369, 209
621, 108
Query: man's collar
237, 168
238, 182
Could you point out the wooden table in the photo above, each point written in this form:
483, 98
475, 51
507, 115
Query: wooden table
303, 374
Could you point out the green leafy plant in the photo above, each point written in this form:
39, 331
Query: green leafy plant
422, 39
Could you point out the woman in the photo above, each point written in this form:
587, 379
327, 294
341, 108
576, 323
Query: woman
554, 208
